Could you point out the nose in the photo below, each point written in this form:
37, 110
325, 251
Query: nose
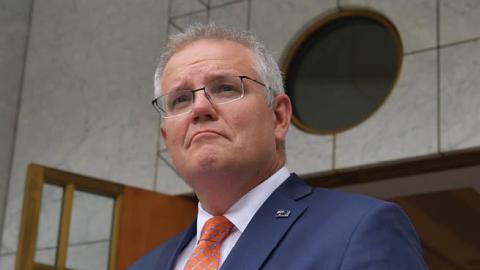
203, 108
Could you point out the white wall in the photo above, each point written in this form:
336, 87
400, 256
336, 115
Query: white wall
14, 18
85, 104
87, 88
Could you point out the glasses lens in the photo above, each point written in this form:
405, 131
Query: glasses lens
177, 102
225, 89
222, 90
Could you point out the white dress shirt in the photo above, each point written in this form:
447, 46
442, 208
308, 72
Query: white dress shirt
239, 214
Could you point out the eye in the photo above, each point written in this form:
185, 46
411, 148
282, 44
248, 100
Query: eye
179, 100
225, 88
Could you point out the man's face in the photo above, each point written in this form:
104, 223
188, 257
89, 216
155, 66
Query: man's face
216, 139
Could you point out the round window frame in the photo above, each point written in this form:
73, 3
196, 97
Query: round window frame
295, 46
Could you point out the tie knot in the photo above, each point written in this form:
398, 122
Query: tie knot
216, 229
206, 255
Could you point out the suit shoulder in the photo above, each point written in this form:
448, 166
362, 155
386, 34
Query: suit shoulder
343, 206
345, 199
318, 197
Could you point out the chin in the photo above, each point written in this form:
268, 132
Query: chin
206, 155
208, 166
207, 160
208, 163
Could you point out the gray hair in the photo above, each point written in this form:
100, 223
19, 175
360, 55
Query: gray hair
265, 66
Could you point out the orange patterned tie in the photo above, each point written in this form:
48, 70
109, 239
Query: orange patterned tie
206, 255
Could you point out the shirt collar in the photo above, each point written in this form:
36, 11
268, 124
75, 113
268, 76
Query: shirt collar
243, 210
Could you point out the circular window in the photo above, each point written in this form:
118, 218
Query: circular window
342, 70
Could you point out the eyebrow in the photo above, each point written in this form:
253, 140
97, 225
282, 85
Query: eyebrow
185, 84
220, 75
180, 87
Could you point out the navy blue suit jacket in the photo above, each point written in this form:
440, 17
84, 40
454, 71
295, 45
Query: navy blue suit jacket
325, 230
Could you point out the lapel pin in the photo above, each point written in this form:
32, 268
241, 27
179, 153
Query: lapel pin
282, 213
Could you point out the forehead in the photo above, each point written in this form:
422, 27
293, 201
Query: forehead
199, 61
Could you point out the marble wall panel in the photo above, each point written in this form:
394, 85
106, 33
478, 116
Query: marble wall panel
11, 225
174, 29
460, 96
45, 255
50, 213
7, 262
267, 20
92, 217
85, 104
233, 15
182, 22
180, 7
13, 39
216, 3
404, 127
308, 153
459, 20
89, 256
168, 180
415, 20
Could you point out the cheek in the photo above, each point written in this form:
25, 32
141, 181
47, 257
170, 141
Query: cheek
241, 125
174, 136
258, 127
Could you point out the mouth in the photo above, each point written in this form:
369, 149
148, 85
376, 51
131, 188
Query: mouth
204, 134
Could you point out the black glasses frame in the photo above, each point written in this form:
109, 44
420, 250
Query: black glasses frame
159, 109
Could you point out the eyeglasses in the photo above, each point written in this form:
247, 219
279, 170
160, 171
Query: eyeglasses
219, 91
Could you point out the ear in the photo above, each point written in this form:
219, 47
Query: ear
282, 109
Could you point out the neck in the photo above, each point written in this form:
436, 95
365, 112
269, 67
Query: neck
218, 193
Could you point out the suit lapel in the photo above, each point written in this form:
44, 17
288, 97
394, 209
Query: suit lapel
185, 238
265, 230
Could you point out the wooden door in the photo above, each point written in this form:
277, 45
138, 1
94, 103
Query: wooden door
142, 219
147, 219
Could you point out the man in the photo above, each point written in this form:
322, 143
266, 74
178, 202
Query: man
225, 118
